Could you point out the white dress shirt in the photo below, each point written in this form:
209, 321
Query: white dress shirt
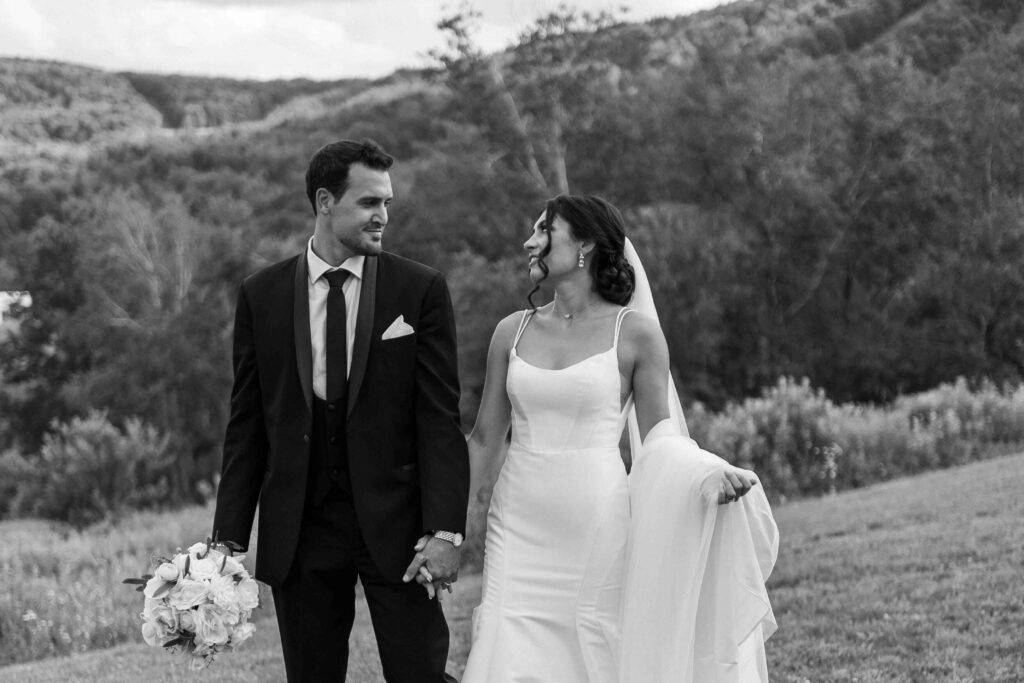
318, 289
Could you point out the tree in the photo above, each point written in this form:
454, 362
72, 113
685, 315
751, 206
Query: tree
535, 98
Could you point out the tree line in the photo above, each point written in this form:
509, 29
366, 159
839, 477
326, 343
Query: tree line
855, 217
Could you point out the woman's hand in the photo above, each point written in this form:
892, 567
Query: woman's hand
735, 483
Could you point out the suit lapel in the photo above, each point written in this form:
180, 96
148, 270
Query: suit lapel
300, 323
364, 329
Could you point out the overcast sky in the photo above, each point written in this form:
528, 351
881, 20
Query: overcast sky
320, 39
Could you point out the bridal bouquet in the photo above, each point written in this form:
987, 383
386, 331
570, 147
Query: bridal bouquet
198, 602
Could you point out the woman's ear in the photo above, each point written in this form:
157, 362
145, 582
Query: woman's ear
586, 246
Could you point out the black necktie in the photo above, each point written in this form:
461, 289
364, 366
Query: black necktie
336, 341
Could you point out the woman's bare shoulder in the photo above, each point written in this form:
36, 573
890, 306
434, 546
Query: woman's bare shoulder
505, 330
640, 328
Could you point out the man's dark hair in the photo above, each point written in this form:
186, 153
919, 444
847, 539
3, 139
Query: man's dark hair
329, 166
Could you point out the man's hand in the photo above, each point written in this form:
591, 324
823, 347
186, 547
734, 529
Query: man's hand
435, 565
735, 484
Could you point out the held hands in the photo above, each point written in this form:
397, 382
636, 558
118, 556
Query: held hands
735, 484
435, 566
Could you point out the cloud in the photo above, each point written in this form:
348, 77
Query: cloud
263, 39
25, 30
263, 3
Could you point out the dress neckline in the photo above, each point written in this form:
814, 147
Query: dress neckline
528, 315
515, 354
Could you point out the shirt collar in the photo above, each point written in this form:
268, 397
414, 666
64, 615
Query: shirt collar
317, 266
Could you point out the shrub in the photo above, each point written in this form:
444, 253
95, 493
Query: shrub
985, 413
800, 443
784, 436
88, 470
14, 470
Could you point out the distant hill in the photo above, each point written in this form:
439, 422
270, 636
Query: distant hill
47, 101
53, 101
198, 102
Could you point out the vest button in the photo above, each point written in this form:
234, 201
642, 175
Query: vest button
334, 439
335, 471
305, 437
330, 406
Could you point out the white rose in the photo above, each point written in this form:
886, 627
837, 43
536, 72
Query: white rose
168, 571
180, 560
187, 621
232, 566
222, 592
242, 633
203, 570
248, 594
155, 633
232, 615
197, 549
159, 611
149, 634
217, 556
210, 626
186, 594
152, 586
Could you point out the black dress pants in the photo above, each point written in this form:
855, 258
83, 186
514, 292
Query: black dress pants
316, 606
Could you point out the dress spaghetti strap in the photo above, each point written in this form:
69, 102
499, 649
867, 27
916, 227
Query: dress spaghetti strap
527, 315
618, 325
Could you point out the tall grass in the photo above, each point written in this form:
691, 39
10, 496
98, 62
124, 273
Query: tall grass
801, 443
62, 587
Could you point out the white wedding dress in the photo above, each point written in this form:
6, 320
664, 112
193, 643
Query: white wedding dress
556, 529
588, 580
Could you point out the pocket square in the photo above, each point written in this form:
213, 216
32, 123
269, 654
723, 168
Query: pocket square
398, 328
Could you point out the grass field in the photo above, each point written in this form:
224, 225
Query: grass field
919, 579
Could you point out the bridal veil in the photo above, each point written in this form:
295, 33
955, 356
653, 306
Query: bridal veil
695, 607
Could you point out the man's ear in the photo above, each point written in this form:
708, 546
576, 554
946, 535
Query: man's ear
324, 200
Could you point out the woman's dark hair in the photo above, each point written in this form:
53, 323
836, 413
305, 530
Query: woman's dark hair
596, 220
329, 166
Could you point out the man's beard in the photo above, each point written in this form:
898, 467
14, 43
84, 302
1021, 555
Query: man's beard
365, 245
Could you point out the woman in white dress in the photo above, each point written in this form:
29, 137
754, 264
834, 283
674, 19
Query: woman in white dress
560, 563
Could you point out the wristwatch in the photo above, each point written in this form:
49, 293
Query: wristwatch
454, 539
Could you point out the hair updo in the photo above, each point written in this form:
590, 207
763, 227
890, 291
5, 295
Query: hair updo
596, 220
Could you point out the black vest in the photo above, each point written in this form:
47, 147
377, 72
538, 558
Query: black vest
328, 456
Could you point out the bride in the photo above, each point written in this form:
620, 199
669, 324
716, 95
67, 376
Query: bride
588, 577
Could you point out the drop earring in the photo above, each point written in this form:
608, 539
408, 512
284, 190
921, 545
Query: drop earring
581, 261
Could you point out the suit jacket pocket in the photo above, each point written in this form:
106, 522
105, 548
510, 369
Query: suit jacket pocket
403, 338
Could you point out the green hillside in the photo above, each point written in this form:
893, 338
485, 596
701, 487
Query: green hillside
196, 102
829, 189
52, 101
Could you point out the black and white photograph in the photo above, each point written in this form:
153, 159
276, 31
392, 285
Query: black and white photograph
512, 341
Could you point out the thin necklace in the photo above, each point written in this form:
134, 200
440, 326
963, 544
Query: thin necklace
571, 317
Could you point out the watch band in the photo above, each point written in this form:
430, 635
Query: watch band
454, 539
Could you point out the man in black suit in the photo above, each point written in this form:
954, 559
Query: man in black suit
345, 427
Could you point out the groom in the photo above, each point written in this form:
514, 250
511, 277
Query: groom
345, 427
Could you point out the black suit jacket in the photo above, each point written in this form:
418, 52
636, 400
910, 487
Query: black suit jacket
407, 455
